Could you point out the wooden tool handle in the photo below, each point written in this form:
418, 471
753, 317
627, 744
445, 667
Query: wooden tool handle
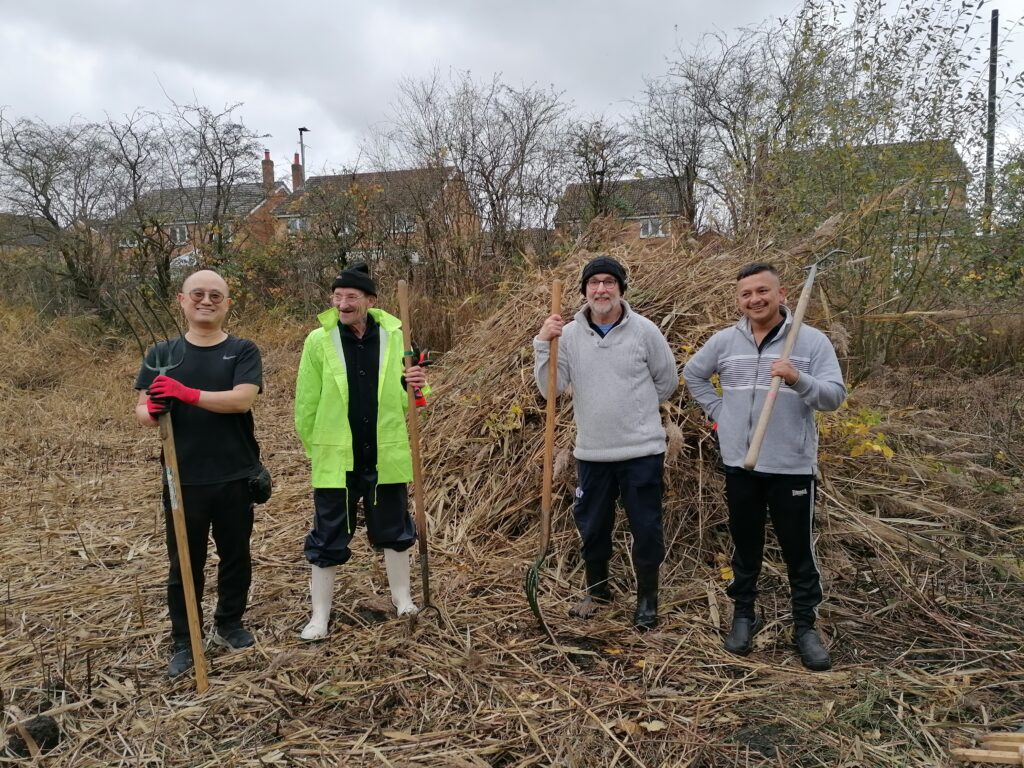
195, 631
549, 424
769, 401
414, 440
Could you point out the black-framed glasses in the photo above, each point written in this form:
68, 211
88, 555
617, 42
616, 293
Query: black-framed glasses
198, 294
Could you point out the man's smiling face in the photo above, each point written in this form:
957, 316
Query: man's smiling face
352, 305
759, 297
204, 299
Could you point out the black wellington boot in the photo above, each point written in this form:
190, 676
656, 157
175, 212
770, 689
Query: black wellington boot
646, 615
598, 593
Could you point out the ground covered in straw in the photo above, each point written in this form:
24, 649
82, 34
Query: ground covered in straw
921, 549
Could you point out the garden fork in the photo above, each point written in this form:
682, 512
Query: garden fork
166, 354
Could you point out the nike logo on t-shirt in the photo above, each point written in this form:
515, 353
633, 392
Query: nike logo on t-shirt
230, 357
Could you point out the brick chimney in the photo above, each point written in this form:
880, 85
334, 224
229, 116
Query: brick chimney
268, 173
298, 177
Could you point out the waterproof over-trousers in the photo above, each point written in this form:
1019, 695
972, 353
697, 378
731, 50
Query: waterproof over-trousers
385, 510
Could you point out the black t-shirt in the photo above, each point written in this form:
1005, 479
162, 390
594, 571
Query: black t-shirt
211, 447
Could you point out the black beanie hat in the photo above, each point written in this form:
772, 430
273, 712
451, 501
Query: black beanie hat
603, 265
356, 276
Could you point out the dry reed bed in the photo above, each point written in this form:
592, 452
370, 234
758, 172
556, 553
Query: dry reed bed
921, 553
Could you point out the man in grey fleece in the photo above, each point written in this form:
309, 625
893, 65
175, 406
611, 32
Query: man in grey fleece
620, 367
782, 484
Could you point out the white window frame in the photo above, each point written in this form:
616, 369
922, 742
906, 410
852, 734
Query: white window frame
297, 225
178, 234
403, 223
653, 226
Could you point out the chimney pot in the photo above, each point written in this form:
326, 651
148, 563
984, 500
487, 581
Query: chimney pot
298, 173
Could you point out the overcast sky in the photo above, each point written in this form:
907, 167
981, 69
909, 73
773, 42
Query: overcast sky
334, 66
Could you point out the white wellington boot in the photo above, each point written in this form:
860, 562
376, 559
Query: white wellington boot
321, 590
397, 566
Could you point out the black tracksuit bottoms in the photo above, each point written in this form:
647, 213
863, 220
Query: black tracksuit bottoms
226, 508
789, 499
640, 484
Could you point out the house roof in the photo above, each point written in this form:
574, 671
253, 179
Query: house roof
912, 158
195, 204
895, 160
20, 231
631, 197
404, 191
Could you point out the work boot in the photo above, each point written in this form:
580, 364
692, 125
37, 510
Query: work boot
397, 566
741, 635
646, 615
234, 638
598, 593
321, 590
813, 654
181, 658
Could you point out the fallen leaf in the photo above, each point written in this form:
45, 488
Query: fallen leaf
627, 727
653, 725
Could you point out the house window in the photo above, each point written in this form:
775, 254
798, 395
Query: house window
129, 241
405, 223
179, 234
227, 233
653, 227
297, 225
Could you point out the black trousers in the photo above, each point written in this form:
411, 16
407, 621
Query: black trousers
226, 508
789, 500
640, 484
385, 510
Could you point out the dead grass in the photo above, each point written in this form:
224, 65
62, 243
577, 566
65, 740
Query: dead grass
922, 556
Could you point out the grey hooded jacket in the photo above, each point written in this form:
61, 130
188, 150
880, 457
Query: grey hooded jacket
791, 443
617, 383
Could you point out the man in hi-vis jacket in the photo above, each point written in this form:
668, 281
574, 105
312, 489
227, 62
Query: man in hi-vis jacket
350, 406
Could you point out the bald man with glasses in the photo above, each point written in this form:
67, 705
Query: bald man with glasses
210, 397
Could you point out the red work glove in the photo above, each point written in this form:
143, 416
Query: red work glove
156, 408
164, 387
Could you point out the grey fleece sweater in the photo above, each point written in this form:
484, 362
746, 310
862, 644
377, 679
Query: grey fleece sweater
617, 383
791, 444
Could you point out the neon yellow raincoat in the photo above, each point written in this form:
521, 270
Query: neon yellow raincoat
321, 404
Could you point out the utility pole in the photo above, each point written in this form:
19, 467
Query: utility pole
302, 147
990, 130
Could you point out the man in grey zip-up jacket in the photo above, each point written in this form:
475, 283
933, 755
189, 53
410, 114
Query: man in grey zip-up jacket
620, 367
746, 357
